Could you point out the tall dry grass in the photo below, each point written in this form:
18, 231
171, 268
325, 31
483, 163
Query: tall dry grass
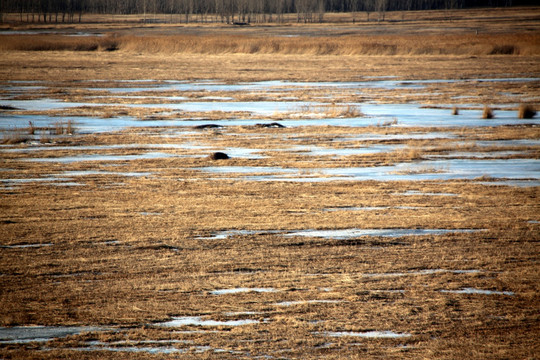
55, 42
346, 45
462, 44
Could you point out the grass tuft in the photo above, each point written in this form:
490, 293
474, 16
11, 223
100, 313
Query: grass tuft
526, 111
393, 121
455, 110
31, 128
61, 128
487, 113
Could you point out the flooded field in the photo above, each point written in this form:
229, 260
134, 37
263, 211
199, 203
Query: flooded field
381, 216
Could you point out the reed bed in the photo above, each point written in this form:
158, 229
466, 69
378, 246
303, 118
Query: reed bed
464, 44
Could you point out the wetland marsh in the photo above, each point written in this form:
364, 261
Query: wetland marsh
356, 215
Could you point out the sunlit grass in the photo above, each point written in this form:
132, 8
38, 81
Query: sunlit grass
463, 44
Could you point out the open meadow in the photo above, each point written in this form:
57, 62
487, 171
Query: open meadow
295, 191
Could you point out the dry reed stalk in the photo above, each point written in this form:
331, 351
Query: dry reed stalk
61, 128
31, 128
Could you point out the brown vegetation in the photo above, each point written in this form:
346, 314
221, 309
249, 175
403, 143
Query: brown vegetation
487, 113
526, 111
521, 44
129, 251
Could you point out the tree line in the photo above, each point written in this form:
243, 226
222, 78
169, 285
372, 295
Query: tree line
228, 11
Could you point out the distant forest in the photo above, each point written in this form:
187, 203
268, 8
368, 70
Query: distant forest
228, 11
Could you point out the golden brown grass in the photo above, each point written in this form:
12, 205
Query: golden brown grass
130, 251
417, 45
156, 266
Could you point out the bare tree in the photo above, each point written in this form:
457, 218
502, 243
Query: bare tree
229, 10
353, 8
381, 8
320, 10
368, 7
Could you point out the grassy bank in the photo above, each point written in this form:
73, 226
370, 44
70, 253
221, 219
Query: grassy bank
464, 44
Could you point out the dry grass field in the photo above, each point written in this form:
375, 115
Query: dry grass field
132, 242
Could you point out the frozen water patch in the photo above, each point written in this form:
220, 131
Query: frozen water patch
241, 290
26, 334
410, 114
421, 272
433, 135
366, 334
384, 82
446, 169
516, 183
119, 347
103, 157
82, 124
301, 302
479, 155
357, 208
324, 151
478, 291
237, 313
133, 349
26, 246
31, 180
141, 346
99, 172
230, 233
146, 213
417, 192
513, 142
59, 180
138, 342
94, 147
198, 321
342, 234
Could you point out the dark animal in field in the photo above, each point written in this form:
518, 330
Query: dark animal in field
219, 156
271, 125
8, 107
207, 126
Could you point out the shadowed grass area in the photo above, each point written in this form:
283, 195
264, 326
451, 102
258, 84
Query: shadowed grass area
526, 111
